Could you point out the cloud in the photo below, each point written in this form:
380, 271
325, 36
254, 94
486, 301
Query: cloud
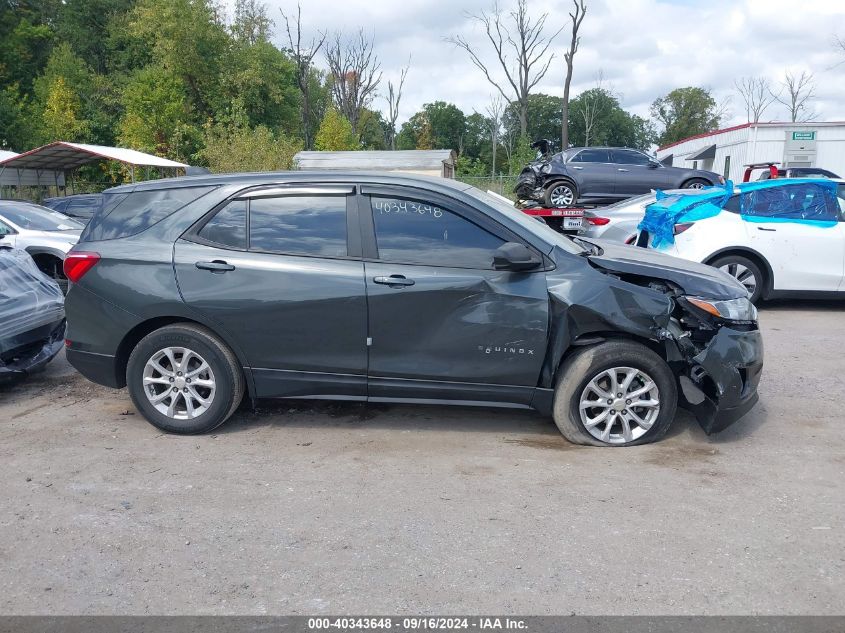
644, 48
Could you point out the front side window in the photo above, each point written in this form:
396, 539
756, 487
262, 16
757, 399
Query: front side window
299, 225
5, 229
592, 156
796, 202
33, 217
629, 157
414, 232
228, 226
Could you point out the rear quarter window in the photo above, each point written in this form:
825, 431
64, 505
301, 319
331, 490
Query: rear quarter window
124, 214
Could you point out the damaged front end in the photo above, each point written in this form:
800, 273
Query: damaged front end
697, 317
718, 362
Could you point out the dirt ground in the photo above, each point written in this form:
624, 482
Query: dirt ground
304, 508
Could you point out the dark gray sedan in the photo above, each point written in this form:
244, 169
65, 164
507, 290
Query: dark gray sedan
607, 174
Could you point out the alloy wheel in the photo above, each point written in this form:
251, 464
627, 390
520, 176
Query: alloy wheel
742, 274
179, 383
562, 196
619, 405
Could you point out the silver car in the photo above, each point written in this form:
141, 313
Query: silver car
618, 222
45, 234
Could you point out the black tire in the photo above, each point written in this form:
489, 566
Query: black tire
697, 183
559, 185
734, 265
589, 363
226, 371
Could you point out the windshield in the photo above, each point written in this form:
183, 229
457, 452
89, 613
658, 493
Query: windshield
539, 228
33, 217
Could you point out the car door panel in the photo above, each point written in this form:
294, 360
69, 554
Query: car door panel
455, 333
300, 320
593, 173
804, 253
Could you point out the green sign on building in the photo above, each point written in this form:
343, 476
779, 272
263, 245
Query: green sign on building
804, 136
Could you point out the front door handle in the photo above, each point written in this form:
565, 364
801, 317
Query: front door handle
576, 167
763, 228
394, 281
620, 169
215, 266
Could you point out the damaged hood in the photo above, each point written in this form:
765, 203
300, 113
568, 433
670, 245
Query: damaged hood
695, 279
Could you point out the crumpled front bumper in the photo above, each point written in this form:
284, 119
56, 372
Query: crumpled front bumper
721, 385
31, 351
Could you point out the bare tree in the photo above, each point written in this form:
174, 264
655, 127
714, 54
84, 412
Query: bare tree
796, 93
576, 16
757, 94
495, 110
394, 96
303, 55
355, 74
517, 34
593, 105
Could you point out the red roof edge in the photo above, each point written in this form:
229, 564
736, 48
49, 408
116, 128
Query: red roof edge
706, 134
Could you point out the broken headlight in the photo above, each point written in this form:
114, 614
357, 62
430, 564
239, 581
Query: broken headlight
731, 310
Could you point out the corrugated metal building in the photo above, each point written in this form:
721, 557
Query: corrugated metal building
427, 162
726, 151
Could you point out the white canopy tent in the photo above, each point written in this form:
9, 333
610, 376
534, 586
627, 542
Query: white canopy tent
47, 166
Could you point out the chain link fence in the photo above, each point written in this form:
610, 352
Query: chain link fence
501, 184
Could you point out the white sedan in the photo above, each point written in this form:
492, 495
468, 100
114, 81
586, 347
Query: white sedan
45, 234
778, 237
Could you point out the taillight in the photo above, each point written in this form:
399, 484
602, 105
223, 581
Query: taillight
680, 228
597, 221
77, 263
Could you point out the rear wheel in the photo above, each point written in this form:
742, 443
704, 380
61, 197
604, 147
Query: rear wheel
745, 271
696, 183
617, 393
560, 194
184, 379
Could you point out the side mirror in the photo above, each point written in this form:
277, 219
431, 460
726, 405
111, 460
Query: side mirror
515, 257
653, 164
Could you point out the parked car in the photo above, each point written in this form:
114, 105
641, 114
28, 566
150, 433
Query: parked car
395, 288
43, 233
591, 175
618, 222
32, 324
799, 172
79, 206
778, 237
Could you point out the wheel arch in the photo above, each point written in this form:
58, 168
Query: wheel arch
753, 255
142, 329
687, 181
595, 338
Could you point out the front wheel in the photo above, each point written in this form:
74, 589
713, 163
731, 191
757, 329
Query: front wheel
617, 393
744, 271
560, 194
184, 379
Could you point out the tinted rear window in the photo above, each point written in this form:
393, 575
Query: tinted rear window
128, 214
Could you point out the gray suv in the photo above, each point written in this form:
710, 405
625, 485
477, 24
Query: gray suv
607, 174
196, 291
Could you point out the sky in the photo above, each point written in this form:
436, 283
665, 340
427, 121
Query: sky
642, 48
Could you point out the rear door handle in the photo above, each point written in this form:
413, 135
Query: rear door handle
763, 228
620, 169
576, 167
216, 266
394, 281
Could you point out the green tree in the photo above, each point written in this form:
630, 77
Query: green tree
685, 112
155, 112
543, 117
372, 130
448, 125
17, 127
335, 133
61, 114
189, 40
83, 25
229, 148
522, 154
596, 118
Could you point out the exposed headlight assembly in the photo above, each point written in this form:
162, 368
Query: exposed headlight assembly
546, 168
732, 310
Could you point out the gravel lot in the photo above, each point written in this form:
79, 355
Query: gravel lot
306, 508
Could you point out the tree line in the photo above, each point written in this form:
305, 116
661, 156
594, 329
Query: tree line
181, 79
